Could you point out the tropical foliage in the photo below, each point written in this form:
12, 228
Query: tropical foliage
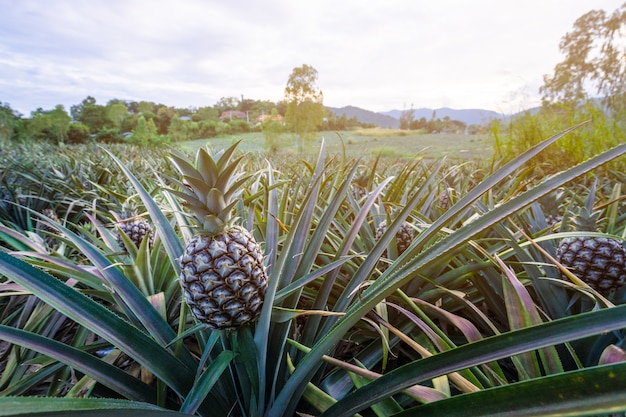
476, 310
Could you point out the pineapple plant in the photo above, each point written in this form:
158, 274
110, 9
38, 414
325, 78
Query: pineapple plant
550, 205
135, 228
50, 232
444, 199
404, 236
598, 261
223, 274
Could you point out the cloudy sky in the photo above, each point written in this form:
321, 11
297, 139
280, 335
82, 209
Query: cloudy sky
377, 55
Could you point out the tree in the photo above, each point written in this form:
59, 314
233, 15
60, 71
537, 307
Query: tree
117, 113
146, 108
406, 118
78, 133
163, 118
595, 58
205, 113
272, 128
91, 114
145, 133
77, 109
178, 130
226, 103
305, 103
60, 122
49, 124
8, 121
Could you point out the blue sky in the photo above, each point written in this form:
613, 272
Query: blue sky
489, 54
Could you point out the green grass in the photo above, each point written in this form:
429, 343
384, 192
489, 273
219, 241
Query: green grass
368, 142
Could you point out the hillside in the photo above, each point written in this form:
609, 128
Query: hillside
391, 119
366, 116
467, 116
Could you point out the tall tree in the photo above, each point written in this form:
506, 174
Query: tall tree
145, 133
91, 114
117, 113
595, 58
407, 117
226, 103
49, 124
60, 122
163, 118
305, 103
205, 113
8, 120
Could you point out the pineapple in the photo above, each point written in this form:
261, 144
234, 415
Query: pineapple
360, 185
135, 228
50, 231
223, 274
444, 198
404, 236
599, 261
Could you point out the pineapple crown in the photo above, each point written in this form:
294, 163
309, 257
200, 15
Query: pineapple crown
210, 186
129, 209
586, 219
550, 203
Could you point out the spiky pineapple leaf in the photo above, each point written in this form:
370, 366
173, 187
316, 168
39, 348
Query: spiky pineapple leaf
414, 261
522, 312
185, 167
200, 188
206, 381
88, 407
385, 407
227, 174
206, 166
485, 350
100, 320
108, 375
223, 157
588, 392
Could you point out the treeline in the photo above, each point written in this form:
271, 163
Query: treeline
437, 125
145, 122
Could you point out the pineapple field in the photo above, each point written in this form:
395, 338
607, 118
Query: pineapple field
213, 281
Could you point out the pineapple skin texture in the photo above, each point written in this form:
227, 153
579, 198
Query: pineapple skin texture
404, 236
137, 230
223, 278
599, 261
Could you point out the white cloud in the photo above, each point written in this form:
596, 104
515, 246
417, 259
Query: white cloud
376, 55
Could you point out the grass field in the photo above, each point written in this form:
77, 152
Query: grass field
370, 142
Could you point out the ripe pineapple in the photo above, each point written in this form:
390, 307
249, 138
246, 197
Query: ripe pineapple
599, 261
49, 238
223, 274
444, 198
135, 228
404, 236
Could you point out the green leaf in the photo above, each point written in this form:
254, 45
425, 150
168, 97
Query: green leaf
101, 321
486, 350
588, 392
205, 383
89, 407
283, 315
206, 167
522, 312
385, 407
106, 374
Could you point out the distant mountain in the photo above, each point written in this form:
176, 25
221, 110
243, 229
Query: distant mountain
391, 119
467, 116
366, 116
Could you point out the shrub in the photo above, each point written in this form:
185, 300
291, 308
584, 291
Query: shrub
78, 133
